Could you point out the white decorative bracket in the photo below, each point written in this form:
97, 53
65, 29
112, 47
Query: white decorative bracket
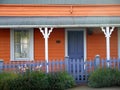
46, 33
107, 31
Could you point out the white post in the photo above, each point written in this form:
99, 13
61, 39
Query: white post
46, 44
108, 48
107, 31
108, 43
46, 33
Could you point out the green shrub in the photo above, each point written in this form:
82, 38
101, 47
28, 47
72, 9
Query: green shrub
117, 76
104, 78
5, 79
36, 81
60, 81
32, 81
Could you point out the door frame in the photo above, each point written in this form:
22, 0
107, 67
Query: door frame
84, 37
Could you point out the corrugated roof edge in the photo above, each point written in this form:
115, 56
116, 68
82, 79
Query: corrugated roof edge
59, 1
59, 21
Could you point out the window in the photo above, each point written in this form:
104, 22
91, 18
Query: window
21, 44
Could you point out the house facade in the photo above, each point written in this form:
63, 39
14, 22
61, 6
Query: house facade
52, 29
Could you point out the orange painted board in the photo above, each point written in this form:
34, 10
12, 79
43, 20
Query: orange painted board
59, 10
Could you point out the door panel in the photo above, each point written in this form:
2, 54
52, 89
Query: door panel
75, 44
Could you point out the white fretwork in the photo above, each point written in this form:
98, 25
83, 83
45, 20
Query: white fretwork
107, 31
46, 33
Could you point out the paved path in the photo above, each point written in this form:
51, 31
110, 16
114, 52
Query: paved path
88, 88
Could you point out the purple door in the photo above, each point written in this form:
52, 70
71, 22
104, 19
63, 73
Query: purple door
75, 44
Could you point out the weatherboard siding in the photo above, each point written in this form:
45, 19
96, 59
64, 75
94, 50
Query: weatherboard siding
56, 50
96, 44
59, 10
5, 44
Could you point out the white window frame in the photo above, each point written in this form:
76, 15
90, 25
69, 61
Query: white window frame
31, 54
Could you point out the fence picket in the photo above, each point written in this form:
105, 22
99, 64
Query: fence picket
102, 63
118, 64
114, 63
82, 70
74, 69
90, 65
57, 65
53, 66
60, 65
78, 69
86, 71
70, 66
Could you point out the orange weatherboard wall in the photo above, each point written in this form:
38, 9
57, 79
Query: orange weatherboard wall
38, 45
56, 50
57, 44
96, 44
5, 44
59, 10
114, 44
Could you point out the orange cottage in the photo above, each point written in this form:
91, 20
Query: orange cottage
49, 29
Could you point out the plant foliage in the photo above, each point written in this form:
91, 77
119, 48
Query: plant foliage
105, 77
36, 80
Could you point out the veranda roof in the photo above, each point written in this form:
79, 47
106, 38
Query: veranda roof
59, 1
30, 22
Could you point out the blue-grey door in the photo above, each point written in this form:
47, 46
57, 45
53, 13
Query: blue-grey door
75, 44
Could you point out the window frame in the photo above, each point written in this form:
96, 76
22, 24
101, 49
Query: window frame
31, 54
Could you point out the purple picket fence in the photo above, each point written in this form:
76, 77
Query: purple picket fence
54, 66
79, 69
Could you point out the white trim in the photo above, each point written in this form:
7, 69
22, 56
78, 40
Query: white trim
84, 37
118, 42
59, 26
85, 45
11, 45
31, 45
66, 44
